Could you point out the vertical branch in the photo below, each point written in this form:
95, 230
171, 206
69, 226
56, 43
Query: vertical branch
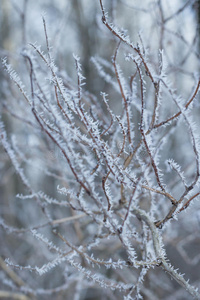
23, 15
103, 185
143, 133
47, 39
122, 93
161, 25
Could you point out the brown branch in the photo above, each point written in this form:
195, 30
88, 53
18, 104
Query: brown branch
60, 106
67, 219
188, 202
179, 113
15, 278
137, 49
124, 138
111, 122
103, 186
12, 295
122, 92
62, 150
129, 205
143, 133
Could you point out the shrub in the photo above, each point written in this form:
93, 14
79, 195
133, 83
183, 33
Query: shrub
126, 165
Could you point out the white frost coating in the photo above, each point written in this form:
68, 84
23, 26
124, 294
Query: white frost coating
105, 150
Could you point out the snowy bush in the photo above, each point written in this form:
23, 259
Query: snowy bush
108, 206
